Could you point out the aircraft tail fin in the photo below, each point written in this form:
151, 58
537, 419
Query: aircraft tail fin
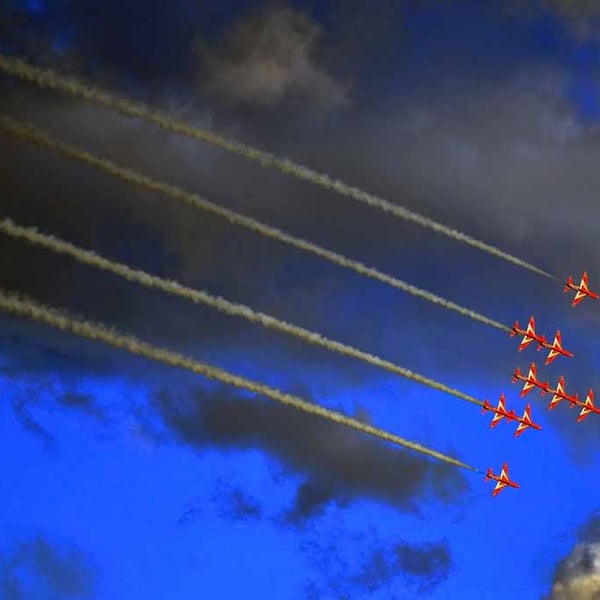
567, 283
516, 375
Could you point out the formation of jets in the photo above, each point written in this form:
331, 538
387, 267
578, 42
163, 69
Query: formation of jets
529, 336
558, 395
500, 413
531, 382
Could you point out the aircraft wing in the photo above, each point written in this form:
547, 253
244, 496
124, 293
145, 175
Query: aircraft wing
556, 399
527, 388
499, 487
552, 356
497, 418
526, 421
525, 342
521, 428
579, 296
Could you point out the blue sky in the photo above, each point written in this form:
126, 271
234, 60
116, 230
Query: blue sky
127, 479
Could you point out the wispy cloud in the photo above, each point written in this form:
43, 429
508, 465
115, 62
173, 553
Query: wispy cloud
269, 57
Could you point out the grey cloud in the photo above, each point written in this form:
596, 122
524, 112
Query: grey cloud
268, 57
577, 576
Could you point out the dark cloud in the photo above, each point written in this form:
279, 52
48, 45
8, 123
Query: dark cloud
341, 464
41, 569
234, 503
426, 564
423, 566
31, 425
311, 497
85, 403
268, 57
27, 349
228, 501
349, 561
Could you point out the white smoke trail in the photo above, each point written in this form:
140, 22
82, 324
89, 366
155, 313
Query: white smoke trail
25, 307
29, 132
239, 310
51, 79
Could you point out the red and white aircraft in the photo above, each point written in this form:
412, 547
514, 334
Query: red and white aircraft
587, 406
581, 291
529, 335
525, 422
531, 381
500, 413
559, 394
502, 479
555, 348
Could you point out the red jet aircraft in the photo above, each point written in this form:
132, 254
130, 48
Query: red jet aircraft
529, 335
559, 394
531, 381
500, 413
581, 291
588, 407
555, 348
502, 479
525, 422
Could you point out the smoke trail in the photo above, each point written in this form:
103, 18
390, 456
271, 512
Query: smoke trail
29, 132
239, 310
28, 308
51, 79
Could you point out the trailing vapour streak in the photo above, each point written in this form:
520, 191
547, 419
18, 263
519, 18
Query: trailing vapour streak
239, 310
29, 132
28, 308
51, 79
